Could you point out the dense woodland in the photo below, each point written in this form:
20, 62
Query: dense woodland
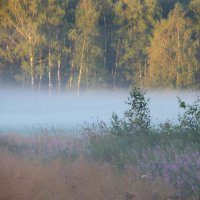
74, 44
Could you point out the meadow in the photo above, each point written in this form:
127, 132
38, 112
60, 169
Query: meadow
129, 159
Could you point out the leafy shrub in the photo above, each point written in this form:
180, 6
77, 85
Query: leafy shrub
136, 120
124, 140
190, 119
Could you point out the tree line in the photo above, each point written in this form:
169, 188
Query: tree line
88, 44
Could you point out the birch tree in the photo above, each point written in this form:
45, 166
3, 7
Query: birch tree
23, 18
51, 25
84, 37
7, 39
172, 52
195, 9
135, 20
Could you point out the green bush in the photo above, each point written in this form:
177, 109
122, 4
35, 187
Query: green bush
136, 120
128, 137
190, 119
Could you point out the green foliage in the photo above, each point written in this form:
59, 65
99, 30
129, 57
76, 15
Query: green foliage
139, 114
87, 52
172, 55
128, 138
137, 119
101, 43
133, 19
190, 119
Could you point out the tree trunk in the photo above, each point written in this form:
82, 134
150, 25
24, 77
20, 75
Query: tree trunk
59, 75
178, 57
105, 41
71, 72
145, 69
32, 72
116, 66
50, 65
87, 79
81, 67
40, 72
39, 85
50, 84
140, 69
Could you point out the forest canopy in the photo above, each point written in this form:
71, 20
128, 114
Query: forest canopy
85, 44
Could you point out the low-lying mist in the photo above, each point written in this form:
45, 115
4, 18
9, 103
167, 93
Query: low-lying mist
24, 109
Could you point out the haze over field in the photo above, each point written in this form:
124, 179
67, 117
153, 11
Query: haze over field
100, 99
20, 109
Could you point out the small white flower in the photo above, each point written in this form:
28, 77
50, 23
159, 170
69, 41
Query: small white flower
144, 176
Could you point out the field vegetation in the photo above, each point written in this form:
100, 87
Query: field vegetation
129, 159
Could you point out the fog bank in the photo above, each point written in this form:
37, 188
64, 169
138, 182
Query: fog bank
20, 109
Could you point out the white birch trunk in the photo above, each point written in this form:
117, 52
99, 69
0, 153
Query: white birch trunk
105, 40
116, 66
32, 72
49, 74
39, 85
59, 85
81, 67
71, 72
